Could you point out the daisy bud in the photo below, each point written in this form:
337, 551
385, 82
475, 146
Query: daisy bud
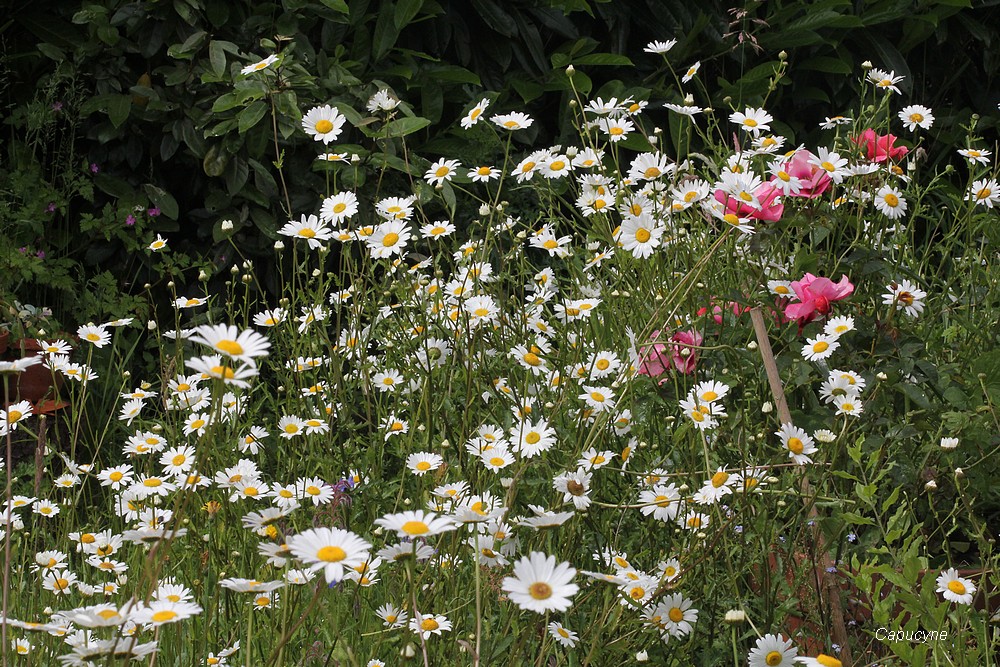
506, 482
421, 428
408, 651
959, 473
572, 104
48, 611
283, 301
234, 269
700, 535
406, 501
484, 210
641, 656
930, 486
949, 443
688, 100
202, 275
684, 488
752, 345
206, 538
781, 503
549, 405
615, 293
170, 285
281, 388
316, 273
652, 138
246, 279
278, 245
735, 616
156, 428
867, 64
355, 158
126, 374
782, 55
146, 286
882, 376
767, 408
227, 225
522, 235
570, 71
772, 480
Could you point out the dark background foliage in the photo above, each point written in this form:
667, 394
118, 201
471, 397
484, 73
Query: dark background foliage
114, 108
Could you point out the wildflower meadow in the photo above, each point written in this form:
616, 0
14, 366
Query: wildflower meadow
672, 388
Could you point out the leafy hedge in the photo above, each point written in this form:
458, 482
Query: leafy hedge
128, 119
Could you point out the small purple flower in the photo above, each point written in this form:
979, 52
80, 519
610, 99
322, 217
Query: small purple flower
851, 537
51, 208
23, 249
57, 106
130, 220
40, 254
831, 570
153, 212
94, 168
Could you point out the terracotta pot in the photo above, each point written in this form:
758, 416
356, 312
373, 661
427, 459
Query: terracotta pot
37, 382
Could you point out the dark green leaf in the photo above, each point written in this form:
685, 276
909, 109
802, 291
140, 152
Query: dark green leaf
404, 126
337, 5
603, 59
217, 57
405, 11
118, 109
252, 115
51, 52
495, 17
162, 199
385, 34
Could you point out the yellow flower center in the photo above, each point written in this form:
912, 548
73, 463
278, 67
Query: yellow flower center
828, 661
821, 346
540, 590
551, 244
429, 625
390, 239
153, 482
331, 554
642, 235
107, 614
497, 461
224, 372
531, 359
676, 615
528, 166
510, 124
532, 438
291, 428
415, 528
307, 233
891, 199
557, 165
652, 172
61, 584
795, 446
13, 416
773, 658
423, 465
616, 131
719, 479
750, 122
324, 126
956, 587
984, 193
163, 616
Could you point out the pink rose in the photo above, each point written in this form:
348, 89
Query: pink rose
767, 194
685, 358
813, 180
879, 148
815, 296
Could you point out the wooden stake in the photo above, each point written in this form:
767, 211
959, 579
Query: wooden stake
829, 582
